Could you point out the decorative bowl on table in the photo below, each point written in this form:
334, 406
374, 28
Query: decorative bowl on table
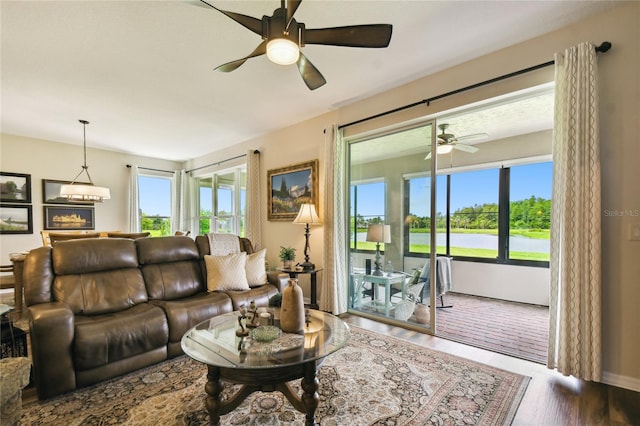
265, 333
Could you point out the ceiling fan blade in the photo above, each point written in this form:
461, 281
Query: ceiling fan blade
249, 22
310, 74
465, 148
230, 66
292, 6
472, 136
375, 35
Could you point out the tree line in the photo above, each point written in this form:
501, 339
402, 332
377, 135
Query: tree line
531, 213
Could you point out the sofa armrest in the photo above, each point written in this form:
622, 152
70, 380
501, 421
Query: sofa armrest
52, 333
278, 279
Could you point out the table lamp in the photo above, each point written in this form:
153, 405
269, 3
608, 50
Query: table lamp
307, 216
378, 233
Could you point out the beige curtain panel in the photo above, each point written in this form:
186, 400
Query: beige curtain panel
575, 326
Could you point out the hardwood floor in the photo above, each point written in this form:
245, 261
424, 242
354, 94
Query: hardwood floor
551, 398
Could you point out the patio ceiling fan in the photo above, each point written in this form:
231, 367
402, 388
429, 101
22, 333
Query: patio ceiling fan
448, 141
283, 37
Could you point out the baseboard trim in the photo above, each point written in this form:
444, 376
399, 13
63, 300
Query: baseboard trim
617, 380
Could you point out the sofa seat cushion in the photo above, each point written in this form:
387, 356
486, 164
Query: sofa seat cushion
185, 313
260, 295
103, 339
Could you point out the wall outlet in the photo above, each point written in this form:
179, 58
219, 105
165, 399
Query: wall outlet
634, 232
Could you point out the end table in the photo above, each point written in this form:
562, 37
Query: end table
293, 273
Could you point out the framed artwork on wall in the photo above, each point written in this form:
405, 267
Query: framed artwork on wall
15, 188
51, 192
289, 187
69, 218
16, 219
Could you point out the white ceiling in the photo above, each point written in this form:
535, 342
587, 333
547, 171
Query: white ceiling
142, 71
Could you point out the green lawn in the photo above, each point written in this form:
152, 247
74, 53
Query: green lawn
476, 252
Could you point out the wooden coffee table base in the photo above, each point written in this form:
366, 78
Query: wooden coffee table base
265, 380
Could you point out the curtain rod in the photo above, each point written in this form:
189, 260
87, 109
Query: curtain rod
604, 47
155, 170
221, 161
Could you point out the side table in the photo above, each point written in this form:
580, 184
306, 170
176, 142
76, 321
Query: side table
17, 259
293, 273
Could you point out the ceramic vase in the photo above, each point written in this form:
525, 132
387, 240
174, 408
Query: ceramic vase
292, 309
422, 313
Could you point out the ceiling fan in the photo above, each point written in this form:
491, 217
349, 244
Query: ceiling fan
448, 142
283, 37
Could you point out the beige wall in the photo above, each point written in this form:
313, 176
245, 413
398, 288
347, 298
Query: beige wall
620, 133
58, 161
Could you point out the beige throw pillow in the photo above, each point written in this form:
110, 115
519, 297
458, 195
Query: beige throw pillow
226, 272
256, 271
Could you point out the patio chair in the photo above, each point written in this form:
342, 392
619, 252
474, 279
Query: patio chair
443, 280
405, 308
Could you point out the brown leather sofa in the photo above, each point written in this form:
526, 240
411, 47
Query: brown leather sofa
100, 308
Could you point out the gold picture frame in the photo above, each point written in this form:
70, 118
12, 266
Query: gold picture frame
289, 187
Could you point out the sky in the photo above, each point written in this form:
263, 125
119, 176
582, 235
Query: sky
467, 189
155, 195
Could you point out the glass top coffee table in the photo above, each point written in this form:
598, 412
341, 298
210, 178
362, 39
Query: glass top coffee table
261, 364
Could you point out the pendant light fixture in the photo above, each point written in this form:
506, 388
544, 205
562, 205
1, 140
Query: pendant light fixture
84, 192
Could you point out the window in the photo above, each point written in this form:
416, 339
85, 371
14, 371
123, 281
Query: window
470, 210
367, 208
417, 222
473, 229
530, 212
222, 202
155, 204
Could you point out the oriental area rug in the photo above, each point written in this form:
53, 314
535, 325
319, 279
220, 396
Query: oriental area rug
373, 380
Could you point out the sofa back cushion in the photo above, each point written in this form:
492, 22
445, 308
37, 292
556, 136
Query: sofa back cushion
171, 267
97, 276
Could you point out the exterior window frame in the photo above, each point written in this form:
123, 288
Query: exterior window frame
503, 224
238, 189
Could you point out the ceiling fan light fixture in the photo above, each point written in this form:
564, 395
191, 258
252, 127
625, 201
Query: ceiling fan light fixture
282, 51
444, 149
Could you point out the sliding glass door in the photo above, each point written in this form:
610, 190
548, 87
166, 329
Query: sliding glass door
468, 212
384, 282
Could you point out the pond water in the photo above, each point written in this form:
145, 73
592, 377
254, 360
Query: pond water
483, 241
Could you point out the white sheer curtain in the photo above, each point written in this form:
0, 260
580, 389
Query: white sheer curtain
333, 297
574, 326
187, 220
134, 200
253, 212
176, 207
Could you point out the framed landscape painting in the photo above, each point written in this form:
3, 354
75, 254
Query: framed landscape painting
15, 188
16, 219
51, 192
290, 187
71, 218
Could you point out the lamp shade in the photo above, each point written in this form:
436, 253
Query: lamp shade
379, 233
307, 215
79, 192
